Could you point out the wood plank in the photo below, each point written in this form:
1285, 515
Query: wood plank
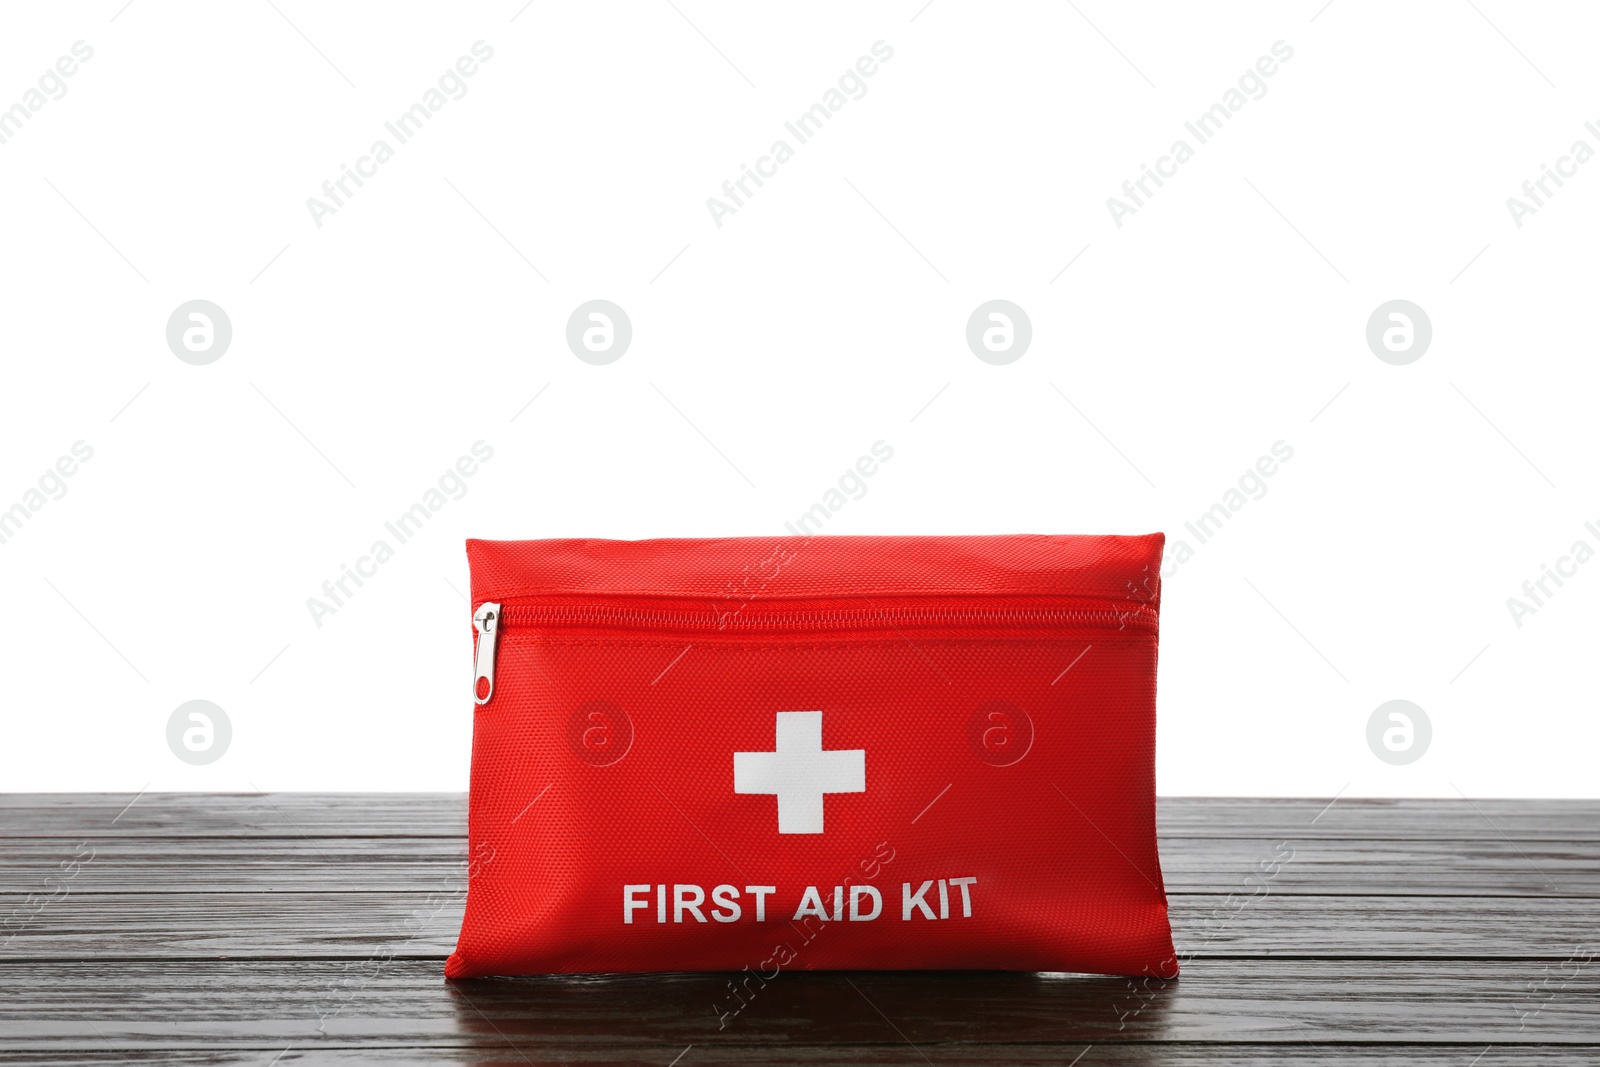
1367, 818
425, 922
56, 1006
1376, 927
601, 1055
56, 815
1381, 867
147, 864
118, 865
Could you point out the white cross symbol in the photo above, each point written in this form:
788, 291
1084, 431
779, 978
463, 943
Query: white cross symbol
800, 772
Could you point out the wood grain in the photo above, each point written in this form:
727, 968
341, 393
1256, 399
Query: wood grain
445, 814
407, 1002
525, 1054
312, 928
282, 925
150, 864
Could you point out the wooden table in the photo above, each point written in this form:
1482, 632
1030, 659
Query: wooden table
311, 928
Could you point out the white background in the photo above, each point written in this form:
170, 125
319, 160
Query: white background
1229, 313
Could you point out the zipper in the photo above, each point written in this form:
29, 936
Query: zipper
524, 615
486, 620
491, 616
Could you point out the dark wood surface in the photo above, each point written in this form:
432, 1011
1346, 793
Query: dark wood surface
312, 928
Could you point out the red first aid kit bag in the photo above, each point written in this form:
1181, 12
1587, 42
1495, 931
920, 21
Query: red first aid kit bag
814, 753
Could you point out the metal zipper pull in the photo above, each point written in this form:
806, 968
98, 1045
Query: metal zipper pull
486, 620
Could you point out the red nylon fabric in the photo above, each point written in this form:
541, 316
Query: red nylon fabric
817, 753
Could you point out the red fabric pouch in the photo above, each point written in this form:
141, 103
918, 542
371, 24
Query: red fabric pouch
817, 753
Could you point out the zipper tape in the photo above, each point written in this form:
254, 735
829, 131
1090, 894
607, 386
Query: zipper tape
490, 617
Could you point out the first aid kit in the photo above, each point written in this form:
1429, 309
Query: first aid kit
763, 754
